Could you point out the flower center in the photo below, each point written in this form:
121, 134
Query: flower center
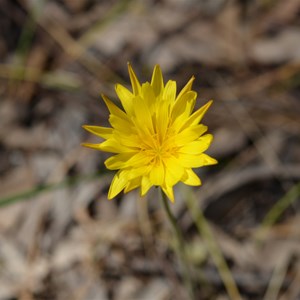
158, 150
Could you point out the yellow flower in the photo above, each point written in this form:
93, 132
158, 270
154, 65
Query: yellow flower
157, 140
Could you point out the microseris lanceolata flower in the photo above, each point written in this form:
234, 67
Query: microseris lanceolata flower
156, 138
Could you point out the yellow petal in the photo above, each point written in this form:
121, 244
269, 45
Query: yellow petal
191, 178
145, 185
138, 172
92, 146
126, 98
168, 190
169, 93
174, 171
187, 87
111, 145
132, 184
208, 160
162, 120
138, 160
103, 132
129, 140
114, 109
136, 86
118, 118
118, 161
184, 106
148, 95
157, 82
197, 116
117, 185
196, 161
197, 147
189, 134
157, 174
121, 124
143, 117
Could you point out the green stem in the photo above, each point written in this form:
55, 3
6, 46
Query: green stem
180, 245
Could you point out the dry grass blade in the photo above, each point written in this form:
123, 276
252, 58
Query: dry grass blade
57, 79
213, 248
276, 281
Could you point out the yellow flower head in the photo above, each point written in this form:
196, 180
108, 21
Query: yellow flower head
157, 139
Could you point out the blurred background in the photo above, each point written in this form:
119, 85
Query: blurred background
59, 236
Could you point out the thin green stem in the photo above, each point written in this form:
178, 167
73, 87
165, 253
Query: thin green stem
180, 246
213, 248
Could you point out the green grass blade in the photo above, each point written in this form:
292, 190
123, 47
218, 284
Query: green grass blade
72, 181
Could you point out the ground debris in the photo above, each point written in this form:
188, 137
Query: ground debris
59, 236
